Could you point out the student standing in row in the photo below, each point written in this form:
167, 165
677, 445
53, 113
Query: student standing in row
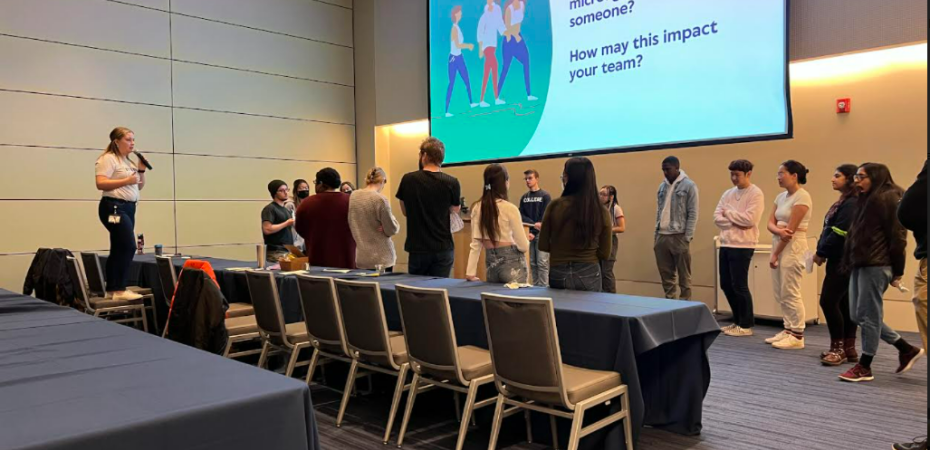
323, 222
427, 198
608, 197
788, 224
372, 223
497, 227
576, 230
676, 223
301, 192
277, 221
532, 206
738, 216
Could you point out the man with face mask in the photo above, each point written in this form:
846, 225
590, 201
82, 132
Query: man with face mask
300, 193
277, 222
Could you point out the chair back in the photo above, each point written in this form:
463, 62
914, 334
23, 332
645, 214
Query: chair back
322, 314
430, 333
167, 276
77, 280
263, 288
364, 322
96, 283
524, 345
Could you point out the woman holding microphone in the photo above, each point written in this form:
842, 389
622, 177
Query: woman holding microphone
120, 180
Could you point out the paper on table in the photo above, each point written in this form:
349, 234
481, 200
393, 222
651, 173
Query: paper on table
516, 285
239, 269
296, 272
337, 270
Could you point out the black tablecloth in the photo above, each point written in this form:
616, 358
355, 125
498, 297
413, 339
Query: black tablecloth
659, 346
70, 381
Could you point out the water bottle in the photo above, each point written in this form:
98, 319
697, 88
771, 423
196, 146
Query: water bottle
140, 244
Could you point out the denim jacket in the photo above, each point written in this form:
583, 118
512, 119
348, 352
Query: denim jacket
684, 208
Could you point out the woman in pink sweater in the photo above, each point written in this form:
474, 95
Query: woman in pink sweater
738, 216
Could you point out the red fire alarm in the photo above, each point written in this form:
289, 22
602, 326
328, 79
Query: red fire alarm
844, 106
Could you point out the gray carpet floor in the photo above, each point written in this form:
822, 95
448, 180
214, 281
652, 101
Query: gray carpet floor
760, 398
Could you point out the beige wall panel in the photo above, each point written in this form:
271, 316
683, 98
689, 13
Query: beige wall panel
243, 48
51, 121
212, 133
202, 87
61, 69
207, 223
94, 23
217, 178
157, 4
75, 225
73, 172
343, 3
13, 271
307, 19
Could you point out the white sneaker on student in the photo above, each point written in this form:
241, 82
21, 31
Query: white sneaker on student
474, 105
484, 104
532, 98
791, 342
449, 115
500, 101
739, 332
126, 296
777, 337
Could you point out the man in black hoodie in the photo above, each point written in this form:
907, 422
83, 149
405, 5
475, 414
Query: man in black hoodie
912, 213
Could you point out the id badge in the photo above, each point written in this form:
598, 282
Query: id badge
115, 217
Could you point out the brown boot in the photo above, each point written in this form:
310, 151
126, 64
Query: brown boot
837, 354
851, 354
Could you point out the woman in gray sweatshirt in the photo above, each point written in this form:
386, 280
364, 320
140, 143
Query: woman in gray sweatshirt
372, 223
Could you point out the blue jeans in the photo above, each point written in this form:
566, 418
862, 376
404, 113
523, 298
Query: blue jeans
505, 265
457, 67
436, 264
576, 277
539, 264
867, 287
122, 241
518, 50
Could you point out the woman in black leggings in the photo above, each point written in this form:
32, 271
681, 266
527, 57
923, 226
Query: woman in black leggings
835, 296
120, 180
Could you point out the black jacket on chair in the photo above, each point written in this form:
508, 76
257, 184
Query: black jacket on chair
48, 277
198, 314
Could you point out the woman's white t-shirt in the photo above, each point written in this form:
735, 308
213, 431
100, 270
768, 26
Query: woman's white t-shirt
784, 204
116, 168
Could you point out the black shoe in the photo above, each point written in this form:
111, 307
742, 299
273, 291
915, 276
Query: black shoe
918, 444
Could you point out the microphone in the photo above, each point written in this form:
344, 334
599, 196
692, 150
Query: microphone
142, 159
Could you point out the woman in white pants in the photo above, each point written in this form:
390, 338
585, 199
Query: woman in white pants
788, 225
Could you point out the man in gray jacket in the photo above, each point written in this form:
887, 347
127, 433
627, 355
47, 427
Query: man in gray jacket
676, 222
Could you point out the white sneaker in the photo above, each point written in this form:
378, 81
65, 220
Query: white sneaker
790, 343
531, 98
728, 327
484, 104
474, 105
449, 115
777, 337
127, 296
739, 332
499, 102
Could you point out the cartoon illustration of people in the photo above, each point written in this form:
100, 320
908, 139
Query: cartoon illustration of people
457, 60
515, 44
489, 26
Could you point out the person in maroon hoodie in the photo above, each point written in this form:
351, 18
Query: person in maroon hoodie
323, 222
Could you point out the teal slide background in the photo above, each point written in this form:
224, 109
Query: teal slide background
497, 131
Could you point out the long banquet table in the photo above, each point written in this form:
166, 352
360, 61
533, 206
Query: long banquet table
70, 381
659, 346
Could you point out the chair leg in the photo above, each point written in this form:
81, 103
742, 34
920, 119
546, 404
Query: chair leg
529, 426
145, 322
411, 397
577, 422
555, 432
467, 414
229, 344
398, 393
350, 382
295, 353
458, 406
627, 422
498, 418
313, 361
263, 359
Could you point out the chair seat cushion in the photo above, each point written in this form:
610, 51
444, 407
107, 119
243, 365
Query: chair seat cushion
475, 362
582, 384
101, 303
297, 332
238, 326
399, 349
240, 310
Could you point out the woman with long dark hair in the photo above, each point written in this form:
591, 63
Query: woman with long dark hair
120, 181
608, 196
301, 192
576, 230
875, 251
834, 298
497, 226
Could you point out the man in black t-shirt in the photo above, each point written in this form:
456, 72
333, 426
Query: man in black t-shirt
427, 198
277, 222
532, 207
